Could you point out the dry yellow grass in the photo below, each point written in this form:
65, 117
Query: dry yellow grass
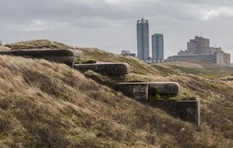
137, 66
2, 48
39, 43
44, 104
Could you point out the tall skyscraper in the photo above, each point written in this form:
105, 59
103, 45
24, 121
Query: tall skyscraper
157, 48
142, 39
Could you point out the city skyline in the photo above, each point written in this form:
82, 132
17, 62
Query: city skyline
110, 24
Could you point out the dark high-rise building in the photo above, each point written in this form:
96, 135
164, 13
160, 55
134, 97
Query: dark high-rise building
157, 48
142, 39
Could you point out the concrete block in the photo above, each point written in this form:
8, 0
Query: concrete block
42, 52
105, 68
164, 88
188, 110
137, 91
56, 55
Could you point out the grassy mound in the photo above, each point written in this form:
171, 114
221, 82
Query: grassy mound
44, 104
137, 66
4, 48
90, 55
42, 43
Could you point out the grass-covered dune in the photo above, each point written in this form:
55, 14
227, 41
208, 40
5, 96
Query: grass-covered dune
45, 104
97, 55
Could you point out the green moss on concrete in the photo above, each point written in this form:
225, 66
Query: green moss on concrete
181, 96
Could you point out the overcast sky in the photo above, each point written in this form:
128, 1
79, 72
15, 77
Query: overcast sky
111, 24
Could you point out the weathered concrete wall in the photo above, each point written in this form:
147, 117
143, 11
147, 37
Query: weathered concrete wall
137, 91
68, 60
164, 88
188, 110
105, 68
57, 55
42, 52
153, 88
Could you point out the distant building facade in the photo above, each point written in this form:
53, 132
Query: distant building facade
157, 48
202, 57
198, 45
199, 49
222, 58
127, 53
143, 39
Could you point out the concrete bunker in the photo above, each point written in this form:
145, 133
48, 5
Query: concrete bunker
105, 68
65, 56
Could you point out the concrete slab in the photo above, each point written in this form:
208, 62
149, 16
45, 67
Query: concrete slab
188, 110
184, 109
105, 68
65, 56
137, 91
164, 88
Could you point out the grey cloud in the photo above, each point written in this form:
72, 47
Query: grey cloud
111, 24
68, 10
65, 10
96, 14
